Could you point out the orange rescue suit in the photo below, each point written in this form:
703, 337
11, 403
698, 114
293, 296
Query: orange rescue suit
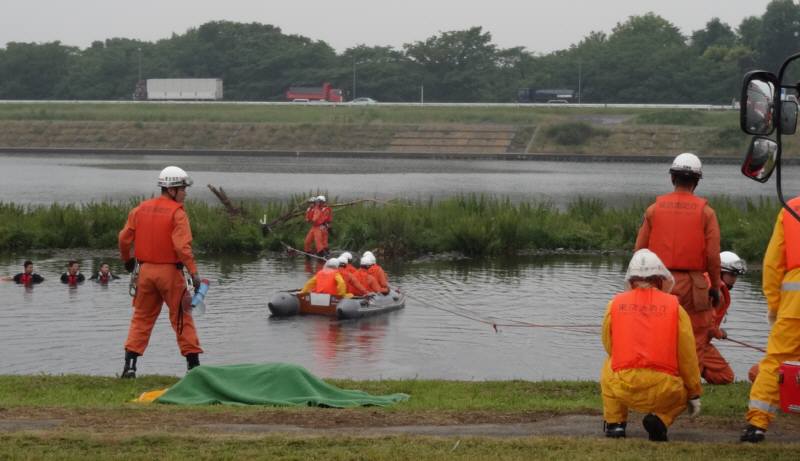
368, 281
354, 286
651, 311
677, 235
160, 232
380, 276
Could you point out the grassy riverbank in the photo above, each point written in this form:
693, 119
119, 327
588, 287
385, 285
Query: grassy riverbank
473, 225
391, 130
85, 417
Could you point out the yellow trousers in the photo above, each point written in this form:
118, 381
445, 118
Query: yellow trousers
643, 390
783, 346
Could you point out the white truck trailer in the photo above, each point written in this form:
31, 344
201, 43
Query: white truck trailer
184, 89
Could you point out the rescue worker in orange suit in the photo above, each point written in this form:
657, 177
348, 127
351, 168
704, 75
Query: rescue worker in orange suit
714, 368
161, 235
368, 281
328, 281
683, 231
348, 258
320, 217
27, 277
652, 364
370, 265
781, 284
354, 285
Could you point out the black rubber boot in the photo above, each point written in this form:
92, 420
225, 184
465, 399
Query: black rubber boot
752, 434
656, 429
615, 430
129, 371
192, 360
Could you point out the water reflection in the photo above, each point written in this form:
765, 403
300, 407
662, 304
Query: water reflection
444, 332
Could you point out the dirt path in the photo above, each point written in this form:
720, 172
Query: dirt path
361, 423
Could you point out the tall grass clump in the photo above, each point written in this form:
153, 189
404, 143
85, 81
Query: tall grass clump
574, 133
672, 117
474, 225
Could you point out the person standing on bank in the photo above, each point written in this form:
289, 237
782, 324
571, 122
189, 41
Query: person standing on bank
161, 235
781, 286
683, 231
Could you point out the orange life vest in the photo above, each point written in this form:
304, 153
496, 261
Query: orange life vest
380, 276
324, 215
354, 286
153, 231
644, 331
325, 282
791, 229
367, 280
677, 235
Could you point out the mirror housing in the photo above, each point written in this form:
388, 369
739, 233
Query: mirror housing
760, 160
757, 107
789, 115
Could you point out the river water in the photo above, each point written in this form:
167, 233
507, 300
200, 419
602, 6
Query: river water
43, 179
55, 329
52, 328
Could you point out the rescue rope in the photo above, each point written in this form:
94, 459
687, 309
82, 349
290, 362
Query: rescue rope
495, 322
295, 250
741, 343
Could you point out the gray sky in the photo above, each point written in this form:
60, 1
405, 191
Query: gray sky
539, 26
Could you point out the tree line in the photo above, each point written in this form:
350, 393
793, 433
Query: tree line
645, 59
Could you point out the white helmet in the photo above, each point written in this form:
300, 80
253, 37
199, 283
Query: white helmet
687, 163
311, 199
644, 264
321, 198
332, 263
367, 259
173, 176
346, 257
731, 262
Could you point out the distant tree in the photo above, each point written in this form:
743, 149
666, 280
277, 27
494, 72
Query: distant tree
780, 33
716, 33
34, 71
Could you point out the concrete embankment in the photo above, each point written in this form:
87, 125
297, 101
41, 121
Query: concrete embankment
463, 141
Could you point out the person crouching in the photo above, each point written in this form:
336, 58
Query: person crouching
652, 363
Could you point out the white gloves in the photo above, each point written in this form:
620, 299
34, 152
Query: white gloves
694, 407
772, 316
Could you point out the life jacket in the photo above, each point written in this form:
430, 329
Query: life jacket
103, 278
791, 228
354, 286
644, 331
325, 282
310, 212
350, 268
153, 235
677, 235
325, 215
72, 279
367, 280
380, 276
26, 279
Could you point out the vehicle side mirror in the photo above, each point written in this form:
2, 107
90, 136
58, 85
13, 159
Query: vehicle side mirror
760, 159
788, 117
756, 112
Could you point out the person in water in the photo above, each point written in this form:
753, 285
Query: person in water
27, 277
73, 275
104, 275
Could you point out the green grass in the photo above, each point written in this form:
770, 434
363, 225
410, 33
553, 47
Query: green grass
301, 113
80, 391
475, 225
168, 447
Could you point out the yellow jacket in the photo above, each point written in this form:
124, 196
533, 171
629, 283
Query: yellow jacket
688, 369
341, 286
780, 302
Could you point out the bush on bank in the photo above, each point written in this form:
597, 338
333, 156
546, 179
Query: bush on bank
475, 225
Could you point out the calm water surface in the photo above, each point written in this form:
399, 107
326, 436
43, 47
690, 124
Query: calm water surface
54, 329
42, 179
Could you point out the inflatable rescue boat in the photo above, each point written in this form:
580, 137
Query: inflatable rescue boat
288, 303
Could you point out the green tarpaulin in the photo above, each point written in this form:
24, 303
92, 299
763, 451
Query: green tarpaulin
266, 384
